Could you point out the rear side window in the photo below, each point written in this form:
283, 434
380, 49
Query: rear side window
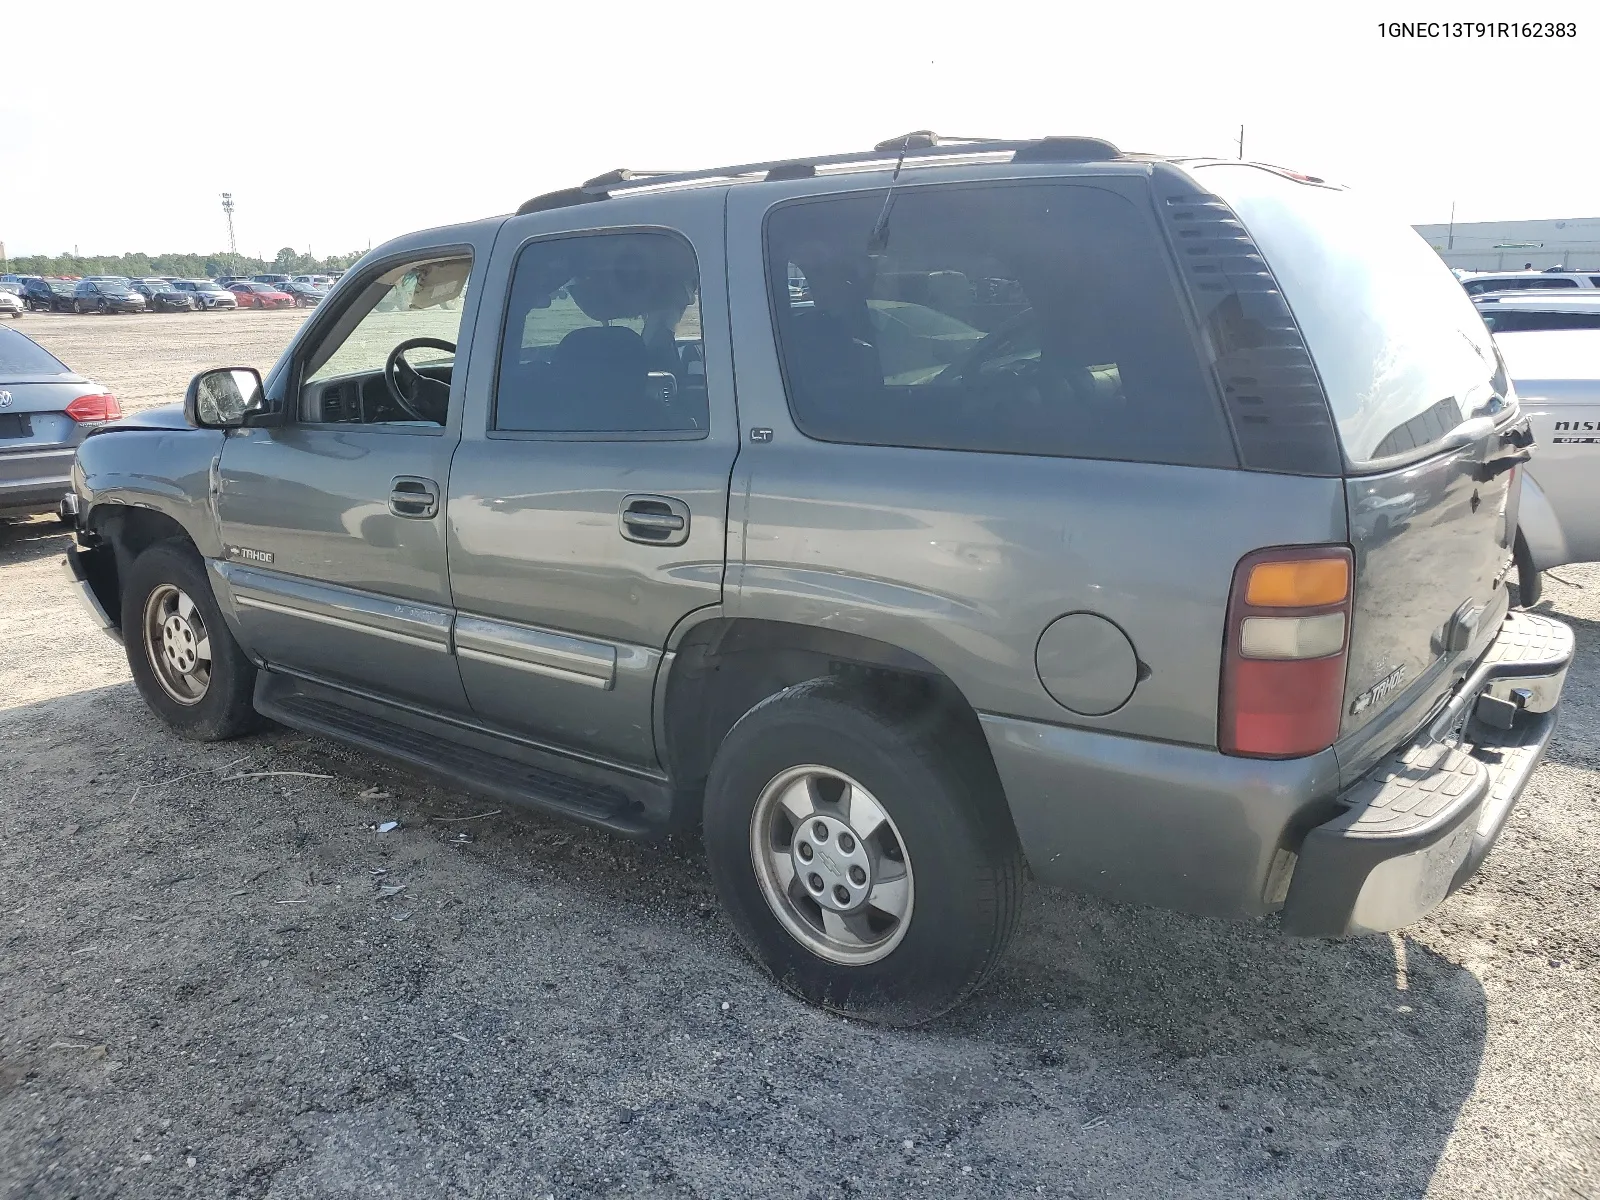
1403, 354
21, 355
602, 336
1021, 319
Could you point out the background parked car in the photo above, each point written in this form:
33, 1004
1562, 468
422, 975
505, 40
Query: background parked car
161, 296
1528, 281
1557, 377
322, 281
1506, 312
106, 296
260, 295
276, 281
11, 303
207, 293
48, 411
49, 295
306, 295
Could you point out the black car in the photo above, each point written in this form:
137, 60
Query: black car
306, 295
161, 296
106, 296
48, 295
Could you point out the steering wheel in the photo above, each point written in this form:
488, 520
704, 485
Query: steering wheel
419, 397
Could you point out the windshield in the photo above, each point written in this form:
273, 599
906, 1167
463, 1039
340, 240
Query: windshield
14, 288
1403, 354
113, 287
206, 285
20, 355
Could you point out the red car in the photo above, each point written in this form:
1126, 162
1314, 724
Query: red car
260, 295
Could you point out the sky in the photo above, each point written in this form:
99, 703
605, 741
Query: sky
336, 124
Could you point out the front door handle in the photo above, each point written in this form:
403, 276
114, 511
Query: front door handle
654, 520
413, 497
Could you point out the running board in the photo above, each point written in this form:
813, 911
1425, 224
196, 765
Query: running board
471, 758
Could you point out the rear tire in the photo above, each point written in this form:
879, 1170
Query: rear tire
904, 805
184, 659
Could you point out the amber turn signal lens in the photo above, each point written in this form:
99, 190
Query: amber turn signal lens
1308, 583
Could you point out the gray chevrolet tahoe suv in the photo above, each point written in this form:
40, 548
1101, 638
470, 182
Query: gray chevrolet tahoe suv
897, 517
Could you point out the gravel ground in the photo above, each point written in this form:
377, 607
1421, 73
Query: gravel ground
210, 986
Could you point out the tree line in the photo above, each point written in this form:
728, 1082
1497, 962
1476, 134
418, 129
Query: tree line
288, 261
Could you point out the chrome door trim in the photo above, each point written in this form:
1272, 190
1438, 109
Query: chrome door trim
247, 601
539, 651
406, 621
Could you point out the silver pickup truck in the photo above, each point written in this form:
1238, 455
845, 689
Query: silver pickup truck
1557, 375
899, 518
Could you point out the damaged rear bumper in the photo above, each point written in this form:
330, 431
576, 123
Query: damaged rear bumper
1420, 823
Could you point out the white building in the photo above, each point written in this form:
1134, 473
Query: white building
1509, 245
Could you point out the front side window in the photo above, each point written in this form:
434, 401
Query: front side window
602, 336
1021, 319
390, 356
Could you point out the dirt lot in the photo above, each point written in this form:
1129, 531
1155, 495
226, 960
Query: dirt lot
147, 359
208, 988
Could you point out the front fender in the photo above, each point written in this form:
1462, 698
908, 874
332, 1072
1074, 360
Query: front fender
1541, 527
165, 470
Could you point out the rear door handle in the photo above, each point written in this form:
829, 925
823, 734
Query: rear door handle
654, 520
413, 497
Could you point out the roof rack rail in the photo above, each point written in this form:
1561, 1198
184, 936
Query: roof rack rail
919, 144
1068, 149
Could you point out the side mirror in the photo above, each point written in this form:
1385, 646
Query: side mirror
223, 398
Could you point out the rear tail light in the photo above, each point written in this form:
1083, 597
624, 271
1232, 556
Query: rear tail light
100, 407
1284, 652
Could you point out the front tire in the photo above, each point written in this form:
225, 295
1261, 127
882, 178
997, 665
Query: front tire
863, 851
184, 659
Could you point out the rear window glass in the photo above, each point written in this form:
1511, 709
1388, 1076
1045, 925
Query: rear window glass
1402, 352
602, 336
20, 355
1505, 321
1023, 319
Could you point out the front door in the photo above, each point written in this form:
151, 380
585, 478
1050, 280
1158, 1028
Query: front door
588, 501
333, 522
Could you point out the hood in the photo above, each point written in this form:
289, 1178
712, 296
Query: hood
168, 416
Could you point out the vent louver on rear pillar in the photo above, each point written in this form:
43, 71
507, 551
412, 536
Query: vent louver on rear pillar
1270, 386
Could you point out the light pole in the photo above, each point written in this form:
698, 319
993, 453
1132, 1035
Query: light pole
227, 207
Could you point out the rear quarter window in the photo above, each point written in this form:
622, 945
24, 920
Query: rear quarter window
1021, 318
1403, 355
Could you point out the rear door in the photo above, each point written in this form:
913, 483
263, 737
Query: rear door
588, 498
1430, 430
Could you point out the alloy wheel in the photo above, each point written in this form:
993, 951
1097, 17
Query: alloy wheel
832, 865
177, 644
